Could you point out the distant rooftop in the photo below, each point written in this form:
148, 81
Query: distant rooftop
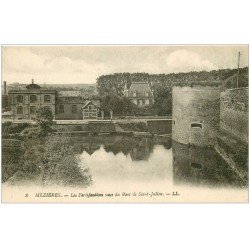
139, 86
72, 93
33, 86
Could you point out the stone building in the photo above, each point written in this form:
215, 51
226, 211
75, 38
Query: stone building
139, 93
25, 102
65, 105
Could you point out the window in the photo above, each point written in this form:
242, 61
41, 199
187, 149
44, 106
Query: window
146, 94
32, 110
19, 110
73, 109
61, 109
33, 98
90, 107
134, 94
47, 98
19, 98
196, 125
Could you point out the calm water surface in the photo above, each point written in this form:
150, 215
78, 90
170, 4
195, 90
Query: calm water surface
123, 161
126, 164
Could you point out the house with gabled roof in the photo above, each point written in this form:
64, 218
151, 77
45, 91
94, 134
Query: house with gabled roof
90, 110
139, 93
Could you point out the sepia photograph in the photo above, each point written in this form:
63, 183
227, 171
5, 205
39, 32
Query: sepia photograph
124, 123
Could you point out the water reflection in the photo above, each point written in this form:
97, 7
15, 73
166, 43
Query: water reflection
138, 158
202, 166
142, 161
122, 159
139, 148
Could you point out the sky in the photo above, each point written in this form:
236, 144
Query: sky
83, 64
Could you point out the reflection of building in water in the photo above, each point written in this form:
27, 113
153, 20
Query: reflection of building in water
138, 148
196, 112
167, 144
90, 148
201, 166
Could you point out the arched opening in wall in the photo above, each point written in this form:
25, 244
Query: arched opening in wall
32, 110
19, 110
46, 98
196, 125
19, 99
33, 98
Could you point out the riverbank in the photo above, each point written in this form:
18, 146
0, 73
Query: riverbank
146, 128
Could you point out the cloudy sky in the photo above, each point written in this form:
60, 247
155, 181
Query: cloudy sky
83, 64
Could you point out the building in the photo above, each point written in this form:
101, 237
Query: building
90, 109
25, 102
139, 93
5, 101
7, 116
65, 105
76, 107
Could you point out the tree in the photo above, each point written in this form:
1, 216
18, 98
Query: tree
44, 119
119, 105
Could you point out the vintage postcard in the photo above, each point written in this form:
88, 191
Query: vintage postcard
124, 124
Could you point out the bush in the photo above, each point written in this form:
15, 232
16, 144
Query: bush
61, 164
32, 132
9, 128
48, 161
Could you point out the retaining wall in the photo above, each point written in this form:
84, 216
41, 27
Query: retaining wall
234, 113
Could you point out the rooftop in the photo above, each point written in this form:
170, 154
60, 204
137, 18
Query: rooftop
72, 93
139, 87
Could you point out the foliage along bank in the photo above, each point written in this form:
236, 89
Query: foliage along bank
110, 88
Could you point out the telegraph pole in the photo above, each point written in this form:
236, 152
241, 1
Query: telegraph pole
238, 70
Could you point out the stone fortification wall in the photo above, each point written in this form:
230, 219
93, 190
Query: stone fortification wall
234, 113
196, 112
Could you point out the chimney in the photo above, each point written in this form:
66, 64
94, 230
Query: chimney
32, 81
5, 88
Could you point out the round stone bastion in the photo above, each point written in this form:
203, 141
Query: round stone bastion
196, 115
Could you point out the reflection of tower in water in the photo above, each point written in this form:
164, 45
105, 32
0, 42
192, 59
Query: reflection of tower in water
201, 166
